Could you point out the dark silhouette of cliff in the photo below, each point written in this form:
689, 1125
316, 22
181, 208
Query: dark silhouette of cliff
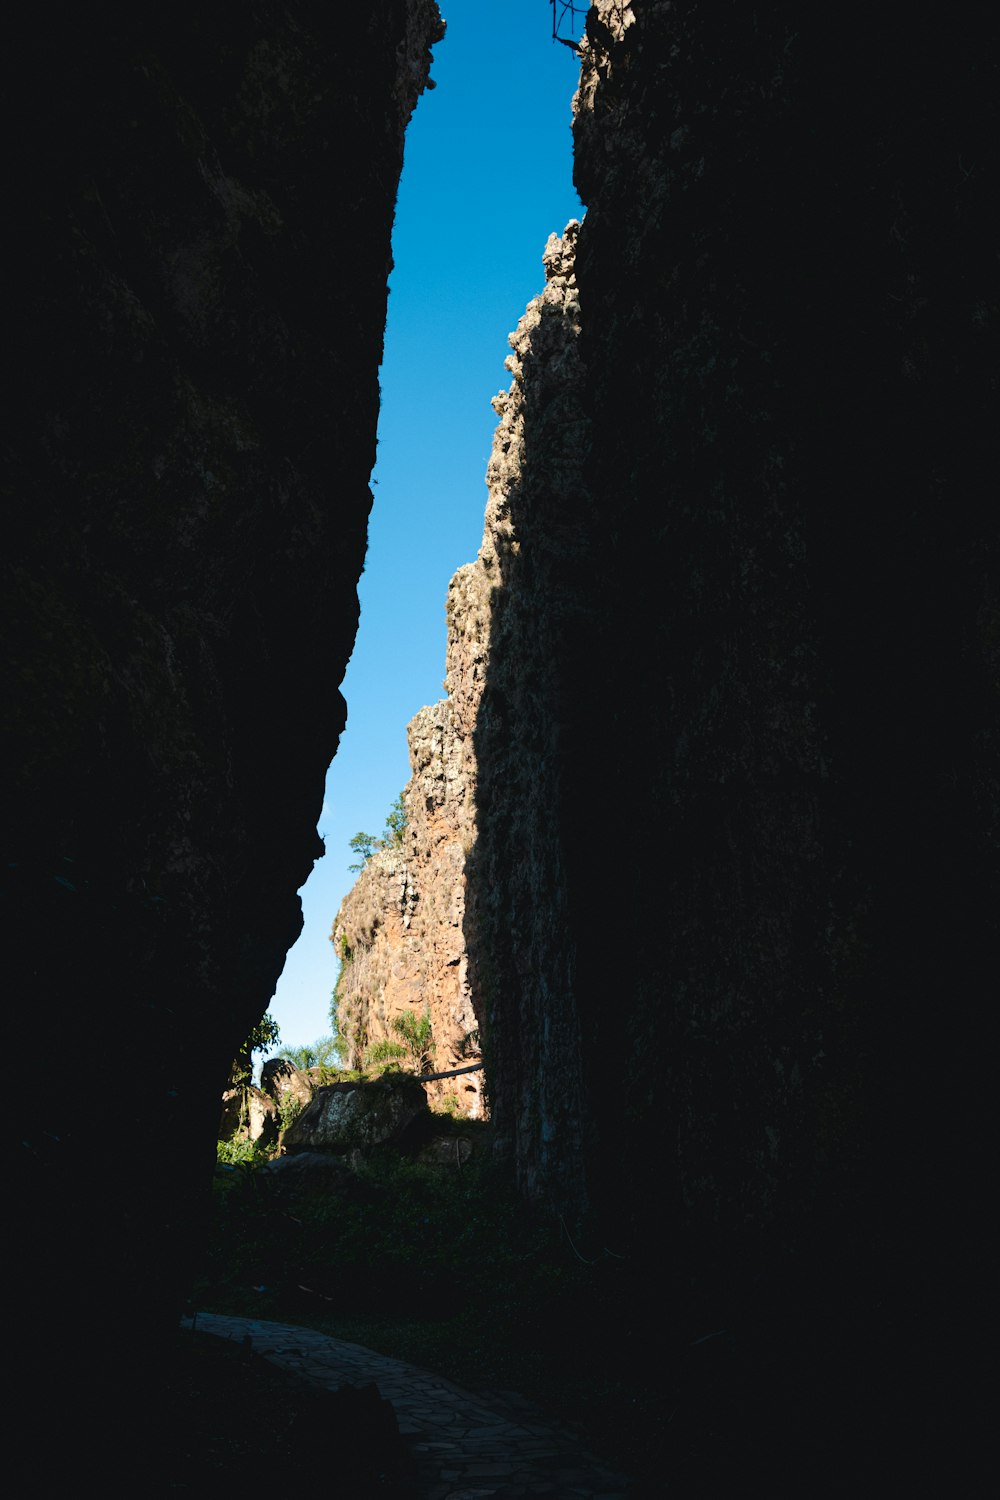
760, 707
198, 206
732, 910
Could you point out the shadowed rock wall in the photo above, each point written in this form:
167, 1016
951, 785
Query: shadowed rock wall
522, 957
199, 204
775, 792
788, 306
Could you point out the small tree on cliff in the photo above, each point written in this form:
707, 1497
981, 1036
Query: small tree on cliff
263, 1036
365, 844
395, 825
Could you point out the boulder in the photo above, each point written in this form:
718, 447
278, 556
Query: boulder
349, 1117
248, 1114
281, 1080
229, 1120
448, 1151
308, 1171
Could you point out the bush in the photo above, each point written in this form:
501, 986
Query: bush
239, 1153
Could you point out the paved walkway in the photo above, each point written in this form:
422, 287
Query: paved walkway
466, 1446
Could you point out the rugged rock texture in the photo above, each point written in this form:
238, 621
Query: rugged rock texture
399, 930
286, 1084
354, 1117
403, 927
249, 1115
537, 535
199, 205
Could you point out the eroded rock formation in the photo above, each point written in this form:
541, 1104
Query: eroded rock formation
402, 930
199, 206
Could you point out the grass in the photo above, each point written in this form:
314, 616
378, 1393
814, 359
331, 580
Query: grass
450, 1270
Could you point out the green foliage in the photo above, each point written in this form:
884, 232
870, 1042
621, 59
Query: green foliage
395, 824
365, 844
239, 1153
263, 1036
324, 1052
450, 1267
341, 1041
413, 1043
289, 1109
385, 1052
417, 1036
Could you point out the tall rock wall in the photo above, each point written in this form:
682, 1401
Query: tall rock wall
199, 204
738, 743
789, 305
428, 926
399, 931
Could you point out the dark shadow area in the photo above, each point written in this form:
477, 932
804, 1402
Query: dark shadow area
738, 745
199, 207
732, 912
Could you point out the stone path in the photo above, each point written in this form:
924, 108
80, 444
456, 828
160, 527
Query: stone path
466, 1446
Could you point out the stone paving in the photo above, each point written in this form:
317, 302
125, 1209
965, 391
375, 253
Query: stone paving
466, 1446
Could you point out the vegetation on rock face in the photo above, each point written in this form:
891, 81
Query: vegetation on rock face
444, 1266
324, 1052
415, 1044
263, 1036
240, 1152
365, 844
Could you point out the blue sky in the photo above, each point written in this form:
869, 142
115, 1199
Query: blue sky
487, 177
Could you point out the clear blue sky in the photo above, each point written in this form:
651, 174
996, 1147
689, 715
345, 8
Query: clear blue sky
487, 177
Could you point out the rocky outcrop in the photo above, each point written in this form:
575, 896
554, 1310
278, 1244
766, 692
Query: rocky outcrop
199, 207
402, 932
248, 1114
286, 1084
537, 537
356, 1117
398, 932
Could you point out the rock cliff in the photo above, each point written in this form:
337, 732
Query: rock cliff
403, 929
760, 755
199, 205
787, 299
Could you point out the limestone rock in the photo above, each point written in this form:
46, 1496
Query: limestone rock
349, 1117
248, 1114
404, 929
281, 1080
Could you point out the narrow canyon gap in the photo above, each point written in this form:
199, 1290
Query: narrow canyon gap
714, 790
730, 914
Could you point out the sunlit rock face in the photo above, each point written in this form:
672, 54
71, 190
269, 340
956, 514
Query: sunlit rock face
399, 931
199, 206
465, 917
